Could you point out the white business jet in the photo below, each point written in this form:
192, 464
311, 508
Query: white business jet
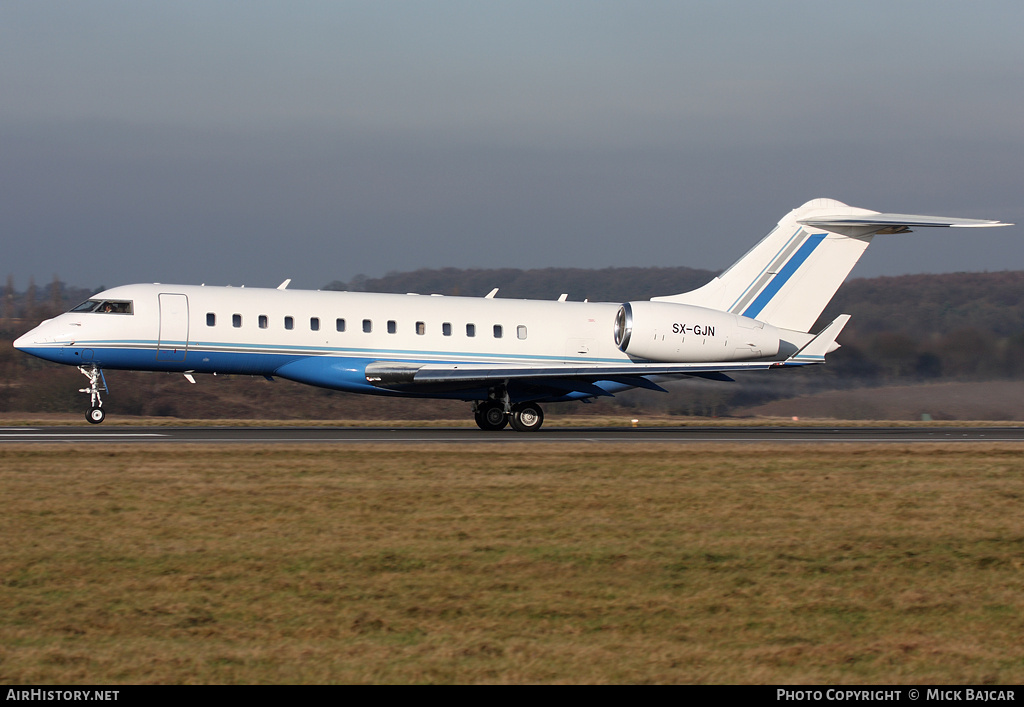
504, 356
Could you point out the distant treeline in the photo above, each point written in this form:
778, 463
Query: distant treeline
914, 328
39, 302
925, 327
607, 285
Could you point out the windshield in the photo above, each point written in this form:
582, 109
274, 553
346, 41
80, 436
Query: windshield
105, 306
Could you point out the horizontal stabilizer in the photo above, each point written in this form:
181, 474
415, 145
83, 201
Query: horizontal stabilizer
896, 222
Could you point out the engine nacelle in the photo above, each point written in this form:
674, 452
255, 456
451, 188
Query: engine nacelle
683, 333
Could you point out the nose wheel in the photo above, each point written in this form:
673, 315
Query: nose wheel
97, 385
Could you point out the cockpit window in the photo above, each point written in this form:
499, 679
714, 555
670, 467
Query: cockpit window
105, 306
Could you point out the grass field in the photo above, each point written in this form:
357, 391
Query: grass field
519, 563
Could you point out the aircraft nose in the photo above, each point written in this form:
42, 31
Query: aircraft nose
40, 343
30, 339
23, 341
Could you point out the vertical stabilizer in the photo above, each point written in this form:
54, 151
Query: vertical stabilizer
788, 278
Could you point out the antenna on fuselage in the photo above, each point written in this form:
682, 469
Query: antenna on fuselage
284, 285
490, 295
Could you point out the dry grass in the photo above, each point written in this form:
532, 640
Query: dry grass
524, 563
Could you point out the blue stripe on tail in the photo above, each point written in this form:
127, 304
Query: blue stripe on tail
780, 279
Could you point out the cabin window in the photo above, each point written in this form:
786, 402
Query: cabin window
367, 326
314, 323
211, 319
497, 331
339, 324
446, 328
264, 322
289, 323
521, 331
236, 320
392, 326
471, 330
421, 328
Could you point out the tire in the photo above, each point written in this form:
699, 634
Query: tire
491, 417
527, 417
95, 415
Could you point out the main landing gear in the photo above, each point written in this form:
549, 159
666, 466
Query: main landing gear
492, 416
97, 385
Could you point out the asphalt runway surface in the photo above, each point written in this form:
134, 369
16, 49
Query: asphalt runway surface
452, 435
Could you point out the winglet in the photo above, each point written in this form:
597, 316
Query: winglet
825, 342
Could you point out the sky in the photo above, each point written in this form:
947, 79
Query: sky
249, 142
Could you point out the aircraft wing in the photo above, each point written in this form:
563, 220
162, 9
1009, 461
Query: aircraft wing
825, 342
556, 380
460, 376
387, 373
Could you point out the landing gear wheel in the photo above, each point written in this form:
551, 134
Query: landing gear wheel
95, 415
527, 417
491, 417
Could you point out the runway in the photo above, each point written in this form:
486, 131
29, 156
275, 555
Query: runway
452, 435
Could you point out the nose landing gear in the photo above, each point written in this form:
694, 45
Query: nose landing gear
97, 385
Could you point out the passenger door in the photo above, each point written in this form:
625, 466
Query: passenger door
173, 342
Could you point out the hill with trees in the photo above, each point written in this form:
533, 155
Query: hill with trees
607, 285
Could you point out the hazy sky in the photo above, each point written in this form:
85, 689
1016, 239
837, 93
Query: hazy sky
247, 142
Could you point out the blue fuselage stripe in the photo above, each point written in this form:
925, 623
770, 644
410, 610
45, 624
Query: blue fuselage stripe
787, 271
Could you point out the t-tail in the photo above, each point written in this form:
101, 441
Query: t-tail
788, 278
